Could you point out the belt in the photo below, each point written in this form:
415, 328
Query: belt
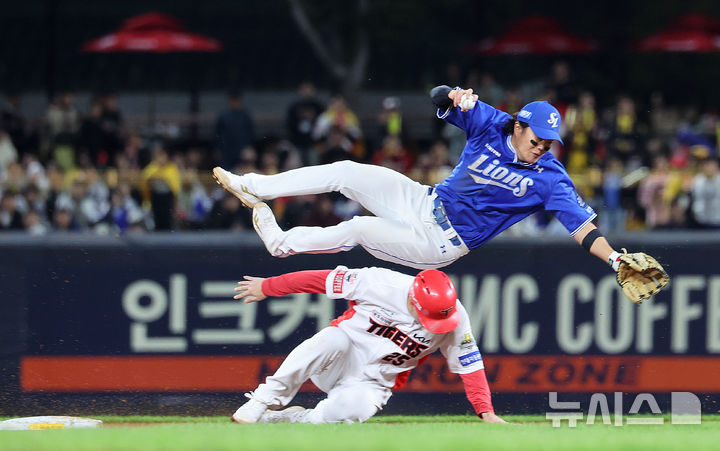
442, 219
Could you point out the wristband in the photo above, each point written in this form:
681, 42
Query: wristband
614, 260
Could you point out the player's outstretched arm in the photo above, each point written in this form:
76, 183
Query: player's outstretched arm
250, 289
639, 275
590, 238
478, 393
255, 289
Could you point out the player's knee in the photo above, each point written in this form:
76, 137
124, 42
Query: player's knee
344, 166
352, 406
360, 224
349, 175
331, 339
365, 229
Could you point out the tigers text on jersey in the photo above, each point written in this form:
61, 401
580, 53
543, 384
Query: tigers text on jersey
388, 340
489, 190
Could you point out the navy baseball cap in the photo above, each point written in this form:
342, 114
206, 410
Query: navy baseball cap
543, 118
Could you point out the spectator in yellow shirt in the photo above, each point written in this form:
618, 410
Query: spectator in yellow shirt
160, 184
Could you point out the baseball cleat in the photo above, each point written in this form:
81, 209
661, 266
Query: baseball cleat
250, 412
281, 416
234, 184
267, 227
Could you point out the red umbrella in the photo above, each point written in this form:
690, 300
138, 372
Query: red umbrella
692, 33
534, 35
679, 41
152, 33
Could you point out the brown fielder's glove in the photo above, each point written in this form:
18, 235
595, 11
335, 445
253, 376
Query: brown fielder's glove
640, 276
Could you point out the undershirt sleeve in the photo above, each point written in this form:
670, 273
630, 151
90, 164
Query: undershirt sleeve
439, 96
477, 391
296, 282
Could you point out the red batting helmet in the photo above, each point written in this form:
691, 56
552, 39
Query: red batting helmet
434, 297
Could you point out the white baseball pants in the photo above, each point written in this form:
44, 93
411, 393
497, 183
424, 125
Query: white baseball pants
403, 230
327, 359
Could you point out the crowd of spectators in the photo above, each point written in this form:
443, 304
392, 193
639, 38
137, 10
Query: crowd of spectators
640, 163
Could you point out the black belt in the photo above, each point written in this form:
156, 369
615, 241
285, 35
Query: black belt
442, 219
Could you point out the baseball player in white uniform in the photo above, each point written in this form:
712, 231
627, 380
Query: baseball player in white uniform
393, 323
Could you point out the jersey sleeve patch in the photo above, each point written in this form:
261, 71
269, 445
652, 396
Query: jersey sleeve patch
467, 342
342, 282
470, 358
338, 281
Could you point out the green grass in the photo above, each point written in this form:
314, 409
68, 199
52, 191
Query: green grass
380, 433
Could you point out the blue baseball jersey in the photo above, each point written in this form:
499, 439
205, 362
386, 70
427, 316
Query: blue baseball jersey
489, 190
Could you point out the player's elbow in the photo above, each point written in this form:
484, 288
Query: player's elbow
439, 96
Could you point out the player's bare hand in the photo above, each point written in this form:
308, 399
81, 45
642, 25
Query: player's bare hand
456, 96
490, 417
250, 289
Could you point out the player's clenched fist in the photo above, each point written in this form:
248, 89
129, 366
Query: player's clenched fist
250, 289
464, 98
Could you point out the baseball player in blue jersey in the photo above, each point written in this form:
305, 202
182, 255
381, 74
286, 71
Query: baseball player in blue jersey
504, 174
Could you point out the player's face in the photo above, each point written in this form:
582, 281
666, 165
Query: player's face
528, 146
